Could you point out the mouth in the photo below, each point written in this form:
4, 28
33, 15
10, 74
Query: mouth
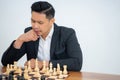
38, 32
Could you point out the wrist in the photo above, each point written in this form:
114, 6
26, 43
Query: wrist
18, 43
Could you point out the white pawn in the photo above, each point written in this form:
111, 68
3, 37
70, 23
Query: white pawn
44, 67
51, 70
47, 72
60, 75
18, 70
58, 68
8, 69
15, 65
36, 65
54, 72
65, 70
25, 70
26, 76
37, 74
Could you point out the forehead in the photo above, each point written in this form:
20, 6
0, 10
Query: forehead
38, 16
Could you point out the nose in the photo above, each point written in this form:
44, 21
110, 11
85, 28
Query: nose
35, 25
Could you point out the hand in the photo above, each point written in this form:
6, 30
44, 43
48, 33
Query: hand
29, 36
26, 37
33, 62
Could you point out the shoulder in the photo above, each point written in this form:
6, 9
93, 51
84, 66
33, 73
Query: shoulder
27, 29
65, 31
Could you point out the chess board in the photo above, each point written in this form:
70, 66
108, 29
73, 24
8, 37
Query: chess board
14, 72
14, 76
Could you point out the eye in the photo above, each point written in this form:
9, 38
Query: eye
33, 21
40, 22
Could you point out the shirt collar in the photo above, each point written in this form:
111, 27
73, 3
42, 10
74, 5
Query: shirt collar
50, 33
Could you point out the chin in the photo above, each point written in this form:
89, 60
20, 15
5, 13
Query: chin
39, 34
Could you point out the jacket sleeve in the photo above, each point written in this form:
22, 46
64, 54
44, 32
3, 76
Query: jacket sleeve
73, 57
12, 54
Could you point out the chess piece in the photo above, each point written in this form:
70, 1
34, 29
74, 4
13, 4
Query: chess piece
18, 70
37, 75
54, 72
26, 76
36, 65
58, 68
29, 66
52, 77
25, 69
10, 77
51, 70
65, 69
7, 69
47, 73
14, 77
15, 65
44, 67
60, 75
20, 77
11, 67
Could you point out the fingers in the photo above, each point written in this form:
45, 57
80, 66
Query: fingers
29, 36
33, 34
40, 64
33, 63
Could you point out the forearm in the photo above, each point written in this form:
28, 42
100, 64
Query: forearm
9, 55
12, 54
18, 43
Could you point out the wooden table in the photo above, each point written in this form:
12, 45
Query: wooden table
91, 76
86, 76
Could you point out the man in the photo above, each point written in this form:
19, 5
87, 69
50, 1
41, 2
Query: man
45, 41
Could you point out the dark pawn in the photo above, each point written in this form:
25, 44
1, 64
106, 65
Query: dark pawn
20, 78
43, 77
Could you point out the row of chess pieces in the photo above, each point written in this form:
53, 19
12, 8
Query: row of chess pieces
28, 73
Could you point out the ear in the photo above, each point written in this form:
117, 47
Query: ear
52, 20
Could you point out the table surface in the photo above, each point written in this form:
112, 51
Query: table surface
91, 76
72, 75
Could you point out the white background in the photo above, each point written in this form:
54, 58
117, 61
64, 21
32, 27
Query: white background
96, 22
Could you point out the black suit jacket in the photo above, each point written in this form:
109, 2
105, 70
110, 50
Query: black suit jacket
65, 49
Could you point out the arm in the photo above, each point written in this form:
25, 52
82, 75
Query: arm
73, 53
12, 54
17, 48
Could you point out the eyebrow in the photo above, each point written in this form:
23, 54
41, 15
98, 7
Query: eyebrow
35, 20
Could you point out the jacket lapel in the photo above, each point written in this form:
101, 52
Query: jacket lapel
54, 40
36, 47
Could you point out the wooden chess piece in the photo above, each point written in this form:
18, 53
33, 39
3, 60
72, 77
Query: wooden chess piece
58, 68
51, 70
54, 72
65, 69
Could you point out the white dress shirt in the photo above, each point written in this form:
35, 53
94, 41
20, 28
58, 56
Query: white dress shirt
44, 46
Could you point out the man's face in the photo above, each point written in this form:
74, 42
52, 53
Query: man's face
40, 24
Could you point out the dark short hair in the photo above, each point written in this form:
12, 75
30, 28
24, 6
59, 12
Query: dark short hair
44, 7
